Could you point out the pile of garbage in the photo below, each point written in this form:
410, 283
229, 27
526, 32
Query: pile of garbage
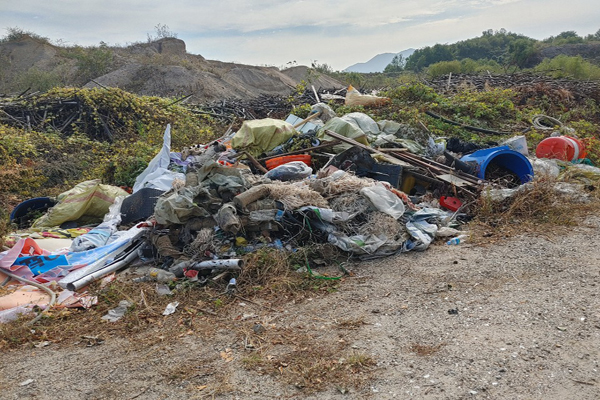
371, 189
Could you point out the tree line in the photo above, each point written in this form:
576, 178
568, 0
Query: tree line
491, 50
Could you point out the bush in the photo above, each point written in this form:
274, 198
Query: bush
161, 31
416, 92
563, 66
93, 62
16, 33
465, 66
43, 162
38, 80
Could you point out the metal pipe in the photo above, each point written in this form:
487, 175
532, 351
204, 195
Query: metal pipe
89, 269
101, 262
86, 280
230, 263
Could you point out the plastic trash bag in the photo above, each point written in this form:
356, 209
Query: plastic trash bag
328, 215
295, 170
117, 313
384, 200
517, 143
355, 98
171, 308
344, 127
545, 166
100, 235
581, 173
178, 207
357, 244
412, 145
435, 147
389, 127
326, 112
363, 122
156, 175
227, 218
87, 202
261, 135
421, 228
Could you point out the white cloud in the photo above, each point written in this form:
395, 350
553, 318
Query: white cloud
339, 32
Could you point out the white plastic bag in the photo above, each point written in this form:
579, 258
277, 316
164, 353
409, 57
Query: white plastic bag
294, 170
156, 175
100, 235
363, 122
384, 200
545, 166
518, 144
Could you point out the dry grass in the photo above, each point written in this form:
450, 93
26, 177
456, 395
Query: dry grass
308, 362
141, 321
205, 377
538, 207
268, 276
294, 196
272, 275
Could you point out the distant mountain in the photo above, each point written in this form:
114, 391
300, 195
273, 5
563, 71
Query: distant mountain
377, 63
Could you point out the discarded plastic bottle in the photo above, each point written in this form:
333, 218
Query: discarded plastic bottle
161, 275
158, 275
231, 286
457, 240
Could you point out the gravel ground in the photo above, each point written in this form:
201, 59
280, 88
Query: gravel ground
515, 319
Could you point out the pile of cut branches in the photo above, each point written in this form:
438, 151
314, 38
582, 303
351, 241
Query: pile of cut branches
528, 84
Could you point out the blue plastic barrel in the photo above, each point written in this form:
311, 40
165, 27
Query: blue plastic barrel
503, 157
36, 204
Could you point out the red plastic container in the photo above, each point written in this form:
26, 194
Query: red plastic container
565, 148
275, 162
451, 203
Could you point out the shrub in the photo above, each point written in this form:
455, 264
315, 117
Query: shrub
161, 31
16, 33
465, 66
444, 68
38, 80
93, 61
563, 66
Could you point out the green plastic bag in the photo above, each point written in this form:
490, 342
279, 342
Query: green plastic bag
86, 203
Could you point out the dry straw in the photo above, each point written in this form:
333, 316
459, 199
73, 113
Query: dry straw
379, 224
346, 184
202, 243
293, 197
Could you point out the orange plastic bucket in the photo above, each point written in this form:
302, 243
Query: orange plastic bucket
563, 148
275, 162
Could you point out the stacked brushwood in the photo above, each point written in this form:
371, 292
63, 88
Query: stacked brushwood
264, 106
527, 84
228, 110
65, 115
70, 112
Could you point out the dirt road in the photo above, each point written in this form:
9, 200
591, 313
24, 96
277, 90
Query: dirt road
516, 319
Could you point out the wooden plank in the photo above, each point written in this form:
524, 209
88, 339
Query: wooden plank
256, 163
307, 119
388, 157
392, 150
454, 180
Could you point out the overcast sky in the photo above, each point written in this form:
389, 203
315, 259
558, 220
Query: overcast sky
275, 32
